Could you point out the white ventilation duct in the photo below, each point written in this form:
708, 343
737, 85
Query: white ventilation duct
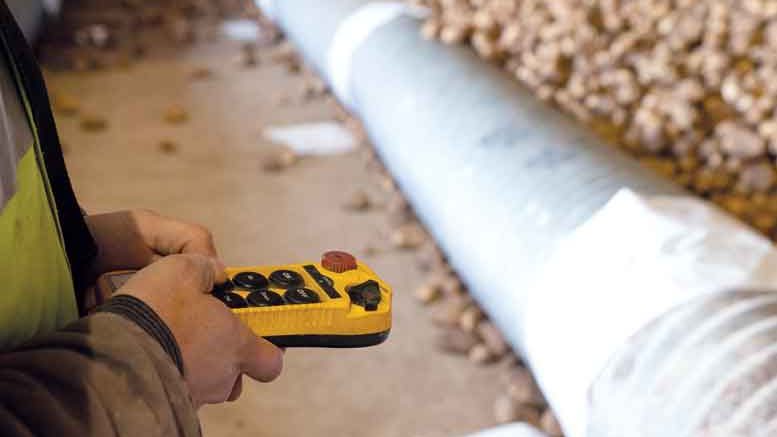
610, 281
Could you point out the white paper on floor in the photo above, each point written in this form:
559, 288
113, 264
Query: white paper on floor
268, 8
241, 30
320, 138
511, 430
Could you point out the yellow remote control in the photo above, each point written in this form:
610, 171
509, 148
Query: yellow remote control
337, 302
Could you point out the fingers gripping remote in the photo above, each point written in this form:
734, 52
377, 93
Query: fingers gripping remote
338, 302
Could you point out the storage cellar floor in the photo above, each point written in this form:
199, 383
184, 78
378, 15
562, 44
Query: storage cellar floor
215, 177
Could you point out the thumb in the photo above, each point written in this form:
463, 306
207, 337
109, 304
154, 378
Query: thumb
219, 271
203, 263
260, 359
199, 270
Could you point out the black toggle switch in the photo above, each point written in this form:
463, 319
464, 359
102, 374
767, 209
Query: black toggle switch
366, 294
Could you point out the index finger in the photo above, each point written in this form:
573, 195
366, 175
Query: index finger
214, 266
167, 236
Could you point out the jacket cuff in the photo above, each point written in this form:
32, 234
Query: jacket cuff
139, 312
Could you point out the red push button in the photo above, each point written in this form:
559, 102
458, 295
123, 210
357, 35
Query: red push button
338, 262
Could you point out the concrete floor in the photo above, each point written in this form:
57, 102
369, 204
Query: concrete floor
401, 388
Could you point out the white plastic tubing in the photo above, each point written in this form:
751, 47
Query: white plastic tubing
569, 245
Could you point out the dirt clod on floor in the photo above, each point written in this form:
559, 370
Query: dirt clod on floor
430, 258
176, 114
66, 104
428, 292
549, 424
284, 54
358, 201
481, 354
168, 147
248, 55
279, 160
469, 318
93, 122
314, 88
456, 341
492, 338
522, 388
408, 236
201, 73
507, 410
446, 313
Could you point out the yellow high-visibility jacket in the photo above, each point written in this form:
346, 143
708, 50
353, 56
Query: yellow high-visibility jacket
118, 372
45, 246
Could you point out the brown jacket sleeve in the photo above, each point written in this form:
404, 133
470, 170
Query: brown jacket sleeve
103, 375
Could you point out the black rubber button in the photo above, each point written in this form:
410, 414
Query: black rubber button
264, 298
232, 300
286, 279
250, 281
226, 287
300, 295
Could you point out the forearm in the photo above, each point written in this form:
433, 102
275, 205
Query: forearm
102, 375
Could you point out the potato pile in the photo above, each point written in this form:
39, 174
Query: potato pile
687, 86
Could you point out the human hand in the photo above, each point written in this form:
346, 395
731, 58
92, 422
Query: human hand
216, 347
131, 240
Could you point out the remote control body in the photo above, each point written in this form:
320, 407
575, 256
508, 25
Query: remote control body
338, 302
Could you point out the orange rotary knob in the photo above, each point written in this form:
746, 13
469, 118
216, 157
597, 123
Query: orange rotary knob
338, 262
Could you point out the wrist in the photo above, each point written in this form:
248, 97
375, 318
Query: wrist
146, 318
